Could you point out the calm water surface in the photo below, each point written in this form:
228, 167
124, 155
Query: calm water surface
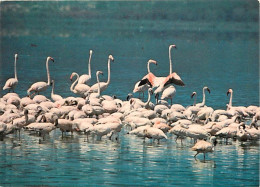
218, 46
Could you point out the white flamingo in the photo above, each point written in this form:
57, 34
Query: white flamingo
54, 97
95, 95
154, 133
103, 85
139, 104
204, 147
85, 78
169, 93
204, 97
42, 86
80, 89
241, 110
12, 82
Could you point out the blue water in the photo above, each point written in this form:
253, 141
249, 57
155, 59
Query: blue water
218, 46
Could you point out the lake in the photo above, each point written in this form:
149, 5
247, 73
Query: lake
217, 46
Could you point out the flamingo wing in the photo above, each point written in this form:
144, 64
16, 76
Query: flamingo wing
144, 81
84, 79
148, 79
10, 83
173, 78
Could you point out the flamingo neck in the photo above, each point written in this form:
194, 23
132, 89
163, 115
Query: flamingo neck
52, 90
170, 60
195, 98
15, 72
108, 69
230, 99
204, 97
98, 86
74, 83
26, 119
148, 100
89, 67
48, 72
148, 67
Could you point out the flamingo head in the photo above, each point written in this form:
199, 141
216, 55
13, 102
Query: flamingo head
193, 93
28, 93
229, 91
52, 82
132, 101
72, 75
26, 112
99, 72
172, 46
16, 56
111, 57
152, 61
150, 90
50, 58
90, 52
129, 96
206, 88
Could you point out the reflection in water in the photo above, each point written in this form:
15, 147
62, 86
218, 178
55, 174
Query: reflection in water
121, 162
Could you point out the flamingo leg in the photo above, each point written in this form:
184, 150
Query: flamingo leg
196, 155
176, 138
204, 156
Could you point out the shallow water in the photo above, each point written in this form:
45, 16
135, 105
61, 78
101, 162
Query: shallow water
129, 161
217, 45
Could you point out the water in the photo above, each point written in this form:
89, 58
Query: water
217, 45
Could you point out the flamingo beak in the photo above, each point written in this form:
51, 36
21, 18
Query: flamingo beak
71, 77
192, 95
208, 90
227, 93
51, 59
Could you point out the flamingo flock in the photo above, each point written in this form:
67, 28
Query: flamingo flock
96, 116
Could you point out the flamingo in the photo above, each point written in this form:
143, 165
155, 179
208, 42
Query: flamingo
54, 97
204, 97
95, 95
169, 93
204, 147
80, 89
154, 133
84, 79
241, 110
12, 82
143, 88
163, 82
195, 98
41, 86
138, 104
103, 85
